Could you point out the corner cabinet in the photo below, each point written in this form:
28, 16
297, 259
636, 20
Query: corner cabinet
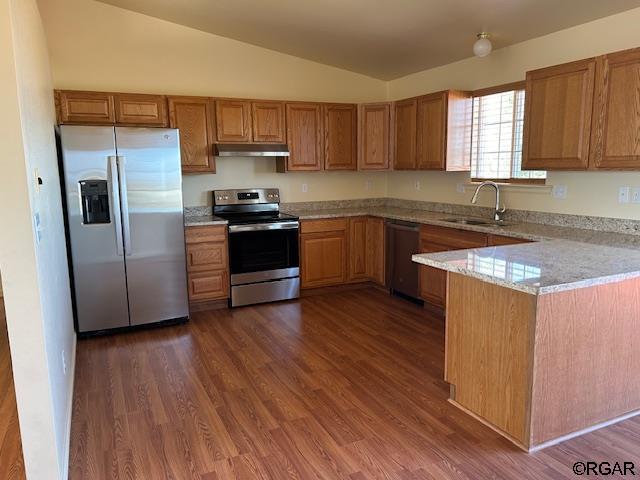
615, 132
304, 136
337, 251
194, 117
374, 136
557, 116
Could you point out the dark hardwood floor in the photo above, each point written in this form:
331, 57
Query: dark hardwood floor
11, 463
345, 386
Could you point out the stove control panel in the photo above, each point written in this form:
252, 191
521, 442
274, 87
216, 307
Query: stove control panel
246, 196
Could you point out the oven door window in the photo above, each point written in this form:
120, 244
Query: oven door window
263, 250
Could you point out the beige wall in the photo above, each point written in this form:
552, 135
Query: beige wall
588, 193
151, 55
34, 273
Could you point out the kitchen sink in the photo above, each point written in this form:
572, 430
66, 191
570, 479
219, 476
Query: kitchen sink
476, 221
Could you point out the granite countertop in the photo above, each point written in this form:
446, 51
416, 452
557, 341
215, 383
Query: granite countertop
202, 220
562, 258
542, 267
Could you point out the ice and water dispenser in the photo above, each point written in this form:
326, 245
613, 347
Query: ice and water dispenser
95, 201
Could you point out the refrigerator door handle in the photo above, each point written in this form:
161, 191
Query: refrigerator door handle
115, 198
122, 162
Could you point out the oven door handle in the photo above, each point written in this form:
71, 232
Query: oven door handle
254, 227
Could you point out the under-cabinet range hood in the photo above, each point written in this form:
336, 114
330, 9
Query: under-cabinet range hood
251, 150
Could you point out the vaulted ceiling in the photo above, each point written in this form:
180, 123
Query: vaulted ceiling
385, 39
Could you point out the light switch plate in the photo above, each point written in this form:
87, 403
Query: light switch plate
623, 195
635, 195
417, 184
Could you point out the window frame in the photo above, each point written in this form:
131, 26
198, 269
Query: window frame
505, 87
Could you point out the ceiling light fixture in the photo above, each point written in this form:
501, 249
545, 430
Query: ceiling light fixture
483, 46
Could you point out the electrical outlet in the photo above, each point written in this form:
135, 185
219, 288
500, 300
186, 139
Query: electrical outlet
623, 195
37, 226
460, 188
635, 195
305, 188
64, 363
368, 185
417, 185
559, 191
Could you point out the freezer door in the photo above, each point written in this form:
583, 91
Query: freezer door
95, 232
152, 223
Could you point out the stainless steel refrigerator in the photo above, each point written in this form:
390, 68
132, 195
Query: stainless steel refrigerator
123, 202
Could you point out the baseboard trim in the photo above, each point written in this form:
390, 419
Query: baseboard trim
584, 431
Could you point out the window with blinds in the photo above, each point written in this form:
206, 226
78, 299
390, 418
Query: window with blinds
496, 142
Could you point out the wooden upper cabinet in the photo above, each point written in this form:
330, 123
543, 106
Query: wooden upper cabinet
405, 134
233, 121
557, 117
615, 133
340, 139
374, 150
193, 116
268, 122
138, 109
304, 136
94, 108
431, 131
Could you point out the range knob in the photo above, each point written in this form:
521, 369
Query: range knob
226, 197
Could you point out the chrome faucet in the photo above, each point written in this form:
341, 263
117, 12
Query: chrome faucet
499, 212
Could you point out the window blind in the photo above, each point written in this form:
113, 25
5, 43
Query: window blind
496, 142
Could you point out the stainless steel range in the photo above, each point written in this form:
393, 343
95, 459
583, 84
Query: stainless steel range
263, 245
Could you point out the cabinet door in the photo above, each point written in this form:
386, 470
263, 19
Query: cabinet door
375, 249
557, 117
433, 281
268, 122
340, 140
374, 136
405, 134
304, 136
192, 115
358, 248
92, 108
137, 109
323, 259
615, 141
205, 286
431, 131
233, 121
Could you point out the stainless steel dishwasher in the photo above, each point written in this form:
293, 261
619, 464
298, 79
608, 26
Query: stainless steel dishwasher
403, 240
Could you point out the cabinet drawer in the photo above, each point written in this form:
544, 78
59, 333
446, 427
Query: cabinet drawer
206, 256
495, 240
323, 225
208, 285
452, 237
209, 233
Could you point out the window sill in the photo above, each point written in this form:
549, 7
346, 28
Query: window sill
530, 187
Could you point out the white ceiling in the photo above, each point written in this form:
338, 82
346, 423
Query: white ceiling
385, 39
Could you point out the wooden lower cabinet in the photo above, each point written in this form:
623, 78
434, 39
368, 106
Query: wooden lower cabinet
341, 250
207, 263
375, 259
323, 259
358, 248
433, 239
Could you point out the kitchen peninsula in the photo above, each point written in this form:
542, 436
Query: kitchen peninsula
541, 338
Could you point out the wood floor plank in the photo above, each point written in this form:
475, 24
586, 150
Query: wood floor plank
337, 386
